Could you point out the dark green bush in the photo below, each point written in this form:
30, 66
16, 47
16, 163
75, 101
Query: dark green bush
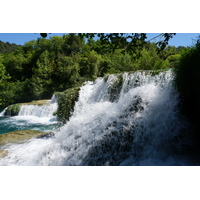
187, 80
187, 77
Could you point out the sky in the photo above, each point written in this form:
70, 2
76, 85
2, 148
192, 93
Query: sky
180, 39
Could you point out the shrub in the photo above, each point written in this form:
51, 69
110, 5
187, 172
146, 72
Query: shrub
187, 81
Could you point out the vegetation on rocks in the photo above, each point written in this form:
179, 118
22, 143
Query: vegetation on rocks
38, 102
66, 102
12, 110
115, 87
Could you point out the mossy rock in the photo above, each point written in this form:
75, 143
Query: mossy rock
55, 113
12, 110
20, 136
3, 153
115, 88
66, 102
38, 102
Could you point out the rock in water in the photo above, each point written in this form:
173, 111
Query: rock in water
19, 136
3, 153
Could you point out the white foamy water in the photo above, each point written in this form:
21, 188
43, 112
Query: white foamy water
32, 117
38, 111
3, 112
54, 99
129, 119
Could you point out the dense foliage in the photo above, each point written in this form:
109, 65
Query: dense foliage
6, 47
41, 67
187, 80
130, 42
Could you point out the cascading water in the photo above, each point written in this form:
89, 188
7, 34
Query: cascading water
38, 111
45, 110
54, 99
33, 117
3, 112
125, 119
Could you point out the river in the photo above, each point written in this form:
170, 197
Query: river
124, 119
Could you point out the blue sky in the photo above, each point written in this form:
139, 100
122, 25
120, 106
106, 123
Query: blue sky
180, 39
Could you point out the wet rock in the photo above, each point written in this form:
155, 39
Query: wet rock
20, 136
3, 153
12, 110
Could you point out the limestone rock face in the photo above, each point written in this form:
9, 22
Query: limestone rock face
20, 136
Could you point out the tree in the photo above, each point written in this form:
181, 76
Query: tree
130, 42
150, 59
43, 44
43, 67
72, 43
29, 46
67, 71
187, 81
6, 47
4, 77
14, 63
90, 64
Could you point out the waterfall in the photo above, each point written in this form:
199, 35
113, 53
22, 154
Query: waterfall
54, 98
124, 119
38, 111
46, 110
3, 112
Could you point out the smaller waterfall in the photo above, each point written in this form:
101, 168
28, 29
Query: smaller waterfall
30, 116
46, 110
3, 112
54, 98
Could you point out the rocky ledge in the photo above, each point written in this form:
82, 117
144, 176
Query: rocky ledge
14, 109
21, 136
3, 153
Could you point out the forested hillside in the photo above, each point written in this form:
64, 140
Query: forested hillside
41, 67
6, 47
